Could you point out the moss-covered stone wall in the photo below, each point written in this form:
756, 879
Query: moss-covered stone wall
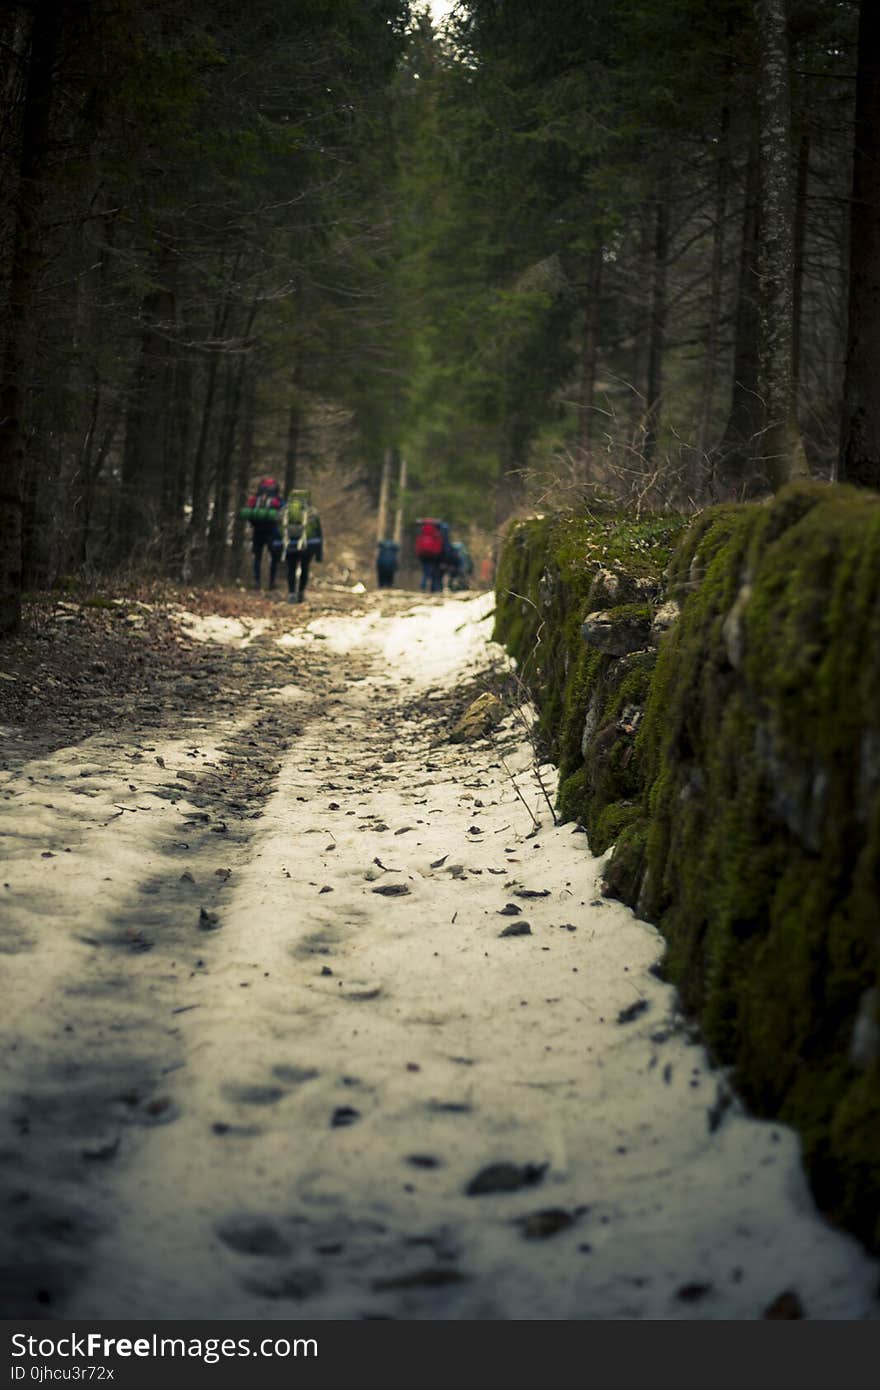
711, 694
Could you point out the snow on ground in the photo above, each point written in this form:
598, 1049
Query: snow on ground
376, 1099
239, 632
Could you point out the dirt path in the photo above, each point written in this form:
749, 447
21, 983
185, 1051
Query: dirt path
313, 1012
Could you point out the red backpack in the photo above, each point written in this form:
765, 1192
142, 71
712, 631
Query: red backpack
265, 503
429, 541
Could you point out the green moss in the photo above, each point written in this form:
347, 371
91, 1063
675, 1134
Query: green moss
614, 819
745, 809
763, 838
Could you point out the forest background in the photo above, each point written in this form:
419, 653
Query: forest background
549, 254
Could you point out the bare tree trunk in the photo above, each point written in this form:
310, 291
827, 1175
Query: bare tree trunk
710, 369
800, 229
401, 502
514, 452
590, 352
176, 460
782, 454
85, 472
218, 534
245, 464
860, 423
195, 536
199, 488
737, 446
146, 432
294, 429
657, 332
25, 261
384, 490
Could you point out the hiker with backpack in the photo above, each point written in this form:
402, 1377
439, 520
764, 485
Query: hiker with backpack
263, 510
303, 541
432, 547
387, 561
460, 567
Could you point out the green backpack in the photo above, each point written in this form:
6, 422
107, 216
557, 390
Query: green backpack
302, 523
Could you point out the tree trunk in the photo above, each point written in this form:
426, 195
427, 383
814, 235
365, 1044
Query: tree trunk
657, 332
24, 266
177, 447
294, 427
860, 423
514, 453
218, 533
384, 490
800, 230
738, 443
198, 514
401, 502
641, 276
781, 455
245, 464
195, 536
710, 368
590, 350
144, 463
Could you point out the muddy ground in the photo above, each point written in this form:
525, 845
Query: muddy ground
312, 1011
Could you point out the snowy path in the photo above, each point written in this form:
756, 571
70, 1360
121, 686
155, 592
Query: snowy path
348, 1087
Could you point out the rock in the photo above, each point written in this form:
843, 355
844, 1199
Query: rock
786, 1307
391, 890
539, 1225
208, 921
101, 1148
509, 910
732, 630
294, 1076
591, 721
664, 621
692, 1293
604, 589
432, 1277
292, 1283
253, 1095
517, 929
478, 719
618, 631
632, 1011
864, 1047
546, 588
505, 1177
344, 1115
252, 1236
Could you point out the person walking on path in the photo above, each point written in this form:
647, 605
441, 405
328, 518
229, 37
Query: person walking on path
387, 561
303, 542
432, 545
264, 512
